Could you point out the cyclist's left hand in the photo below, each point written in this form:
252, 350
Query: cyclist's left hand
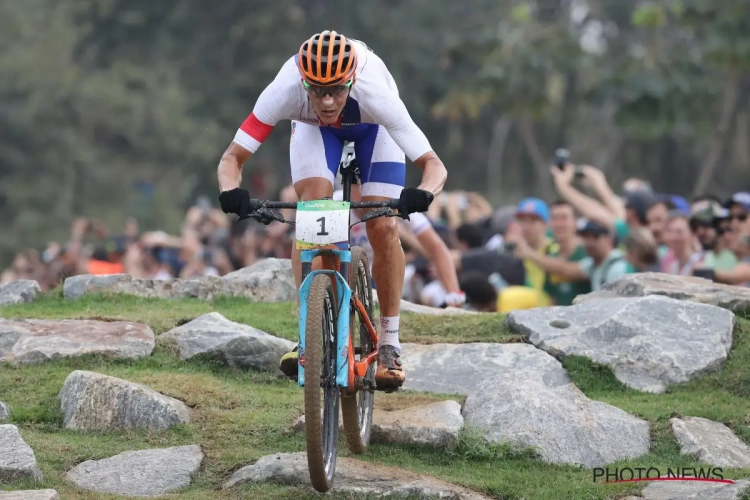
414, 200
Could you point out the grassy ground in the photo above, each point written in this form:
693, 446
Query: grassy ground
240, 416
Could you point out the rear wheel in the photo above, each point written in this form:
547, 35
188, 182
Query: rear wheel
322, 431
356, 409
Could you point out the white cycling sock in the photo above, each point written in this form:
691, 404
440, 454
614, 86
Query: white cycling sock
389, 332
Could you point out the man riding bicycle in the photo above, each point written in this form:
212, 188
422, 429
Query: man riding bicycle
334, 90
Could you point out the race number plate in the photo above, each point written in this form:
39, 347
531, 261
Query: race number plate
322, 223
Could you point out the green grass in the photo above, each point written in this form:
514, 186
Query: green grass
240, 416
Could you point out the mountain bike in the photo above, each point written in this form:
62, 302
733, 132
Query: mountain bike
337, 340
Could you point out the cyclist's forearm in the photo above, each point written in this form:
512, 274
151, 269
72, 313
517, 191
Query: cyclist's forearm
229, 172
434, 173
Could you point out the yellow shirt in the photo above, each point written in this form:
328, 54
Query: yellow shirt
535, 276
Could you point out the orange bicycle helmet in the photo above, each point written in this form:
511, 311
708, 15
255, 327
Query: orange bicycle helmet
327, 59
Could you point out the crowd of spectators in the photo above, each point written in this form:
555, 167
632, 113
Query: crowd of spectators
533, 253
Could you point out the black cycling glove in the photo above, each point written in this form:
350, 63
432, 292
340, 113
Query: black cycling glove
414, 200
237, 201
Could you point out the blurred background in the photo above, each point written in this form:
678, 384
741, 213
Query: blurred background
114, 113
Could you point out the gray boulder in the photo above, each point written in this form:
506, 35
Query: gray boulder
459, 368
4, 411
353, 477
39, 340
17, 460
141, 473
561, 423
92, 401
684, 490
434, 425
712, 442
268, 280
29, 495
271, 280
689, 288
214, 337
647, 342
18, 292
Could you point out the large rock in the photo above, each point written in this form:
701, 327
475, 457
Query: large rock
139, 473
92, 401
690, 288
693, 490
352, 477
4, 411
561, 423
648, 342
269, 280
17, 460
29, 495
38, 340
214, 337
435, 425
459, 368
713, 443
18, 292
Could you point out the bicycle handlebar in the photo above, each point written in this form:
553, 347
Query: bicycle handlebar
383, 208
392, 203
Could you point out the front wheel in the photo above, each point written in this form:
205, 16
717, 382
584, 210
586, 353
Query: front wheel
356, 409
322, 431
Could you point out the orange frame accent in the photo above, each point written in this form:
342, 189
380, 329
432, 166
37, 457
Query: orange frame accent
359, 368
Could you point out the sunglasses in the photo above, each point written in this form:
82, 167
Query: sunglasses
739, 217
333, 91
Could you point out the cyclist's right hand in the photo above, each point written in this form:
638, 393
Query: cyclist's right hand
237, 201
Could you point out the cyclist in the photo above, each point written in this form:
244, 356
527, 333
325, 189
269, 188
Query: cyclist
336, 89
418, 224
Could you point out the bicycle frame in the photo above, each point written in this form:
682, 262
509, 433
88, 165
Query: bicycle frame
347, 368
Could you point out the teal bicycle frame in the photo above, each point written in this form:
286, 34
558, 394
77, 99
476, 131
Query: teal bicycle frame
343, 299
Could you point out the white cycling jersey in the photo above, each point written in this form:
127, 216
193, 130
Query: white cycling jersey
373, 99
417, 223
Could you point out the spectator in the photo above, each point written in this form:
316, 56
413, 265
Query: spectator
480, 294
603, 263
609, 210
532, 217
469, 236
738, 206
658, 216
568, 246
707, 223
641, 251
683, 253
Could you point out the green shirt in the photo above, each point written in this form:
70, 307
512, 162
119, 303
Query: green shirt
562, 290
725, 261
612, 268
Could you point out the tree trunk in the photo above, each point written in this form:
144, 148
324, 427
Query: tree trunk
500, 133
541, 164
723, 135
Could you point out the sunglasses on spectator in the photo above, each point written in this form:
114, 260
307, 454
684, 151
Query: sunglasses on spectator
333, 91
739, 217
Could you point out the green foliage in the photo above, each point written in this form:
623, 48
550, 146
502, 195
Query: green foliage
99, 97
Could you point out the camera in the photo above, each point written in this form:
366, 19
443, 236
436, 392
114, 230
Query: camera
561, 157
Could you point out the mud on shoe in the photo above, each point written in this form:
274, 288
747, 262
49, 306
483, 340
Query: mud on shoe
390, 374
289, 363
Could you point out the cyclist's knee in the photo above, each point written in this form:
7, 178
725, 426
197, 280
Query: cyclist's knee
313, 188
381, 229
